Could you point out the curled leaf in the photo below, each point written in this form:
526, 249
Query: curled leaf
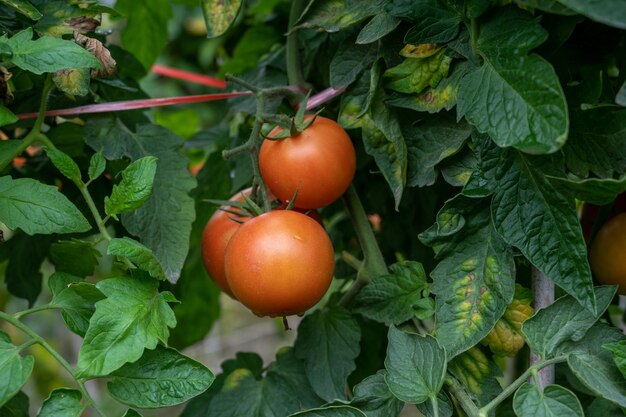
97, 49
83, 23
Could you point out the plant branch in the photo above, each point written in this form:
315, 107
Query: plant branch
35, 310
462, 397
42, 342
435, 403
294, 69
543, 296
94, 211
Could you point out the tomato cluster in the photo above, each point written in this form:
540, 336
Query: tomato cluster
282, 262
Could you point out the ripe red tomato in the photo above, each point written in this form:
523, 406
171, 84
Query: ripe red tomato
607, 255
319, 162
279, 263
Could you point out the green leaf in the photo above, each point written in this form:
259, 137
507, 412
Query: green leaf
349, 62
23, 276
600, 376
600, 407
65, 164
138, 254
256, 42
36, 208
356, 101
131, 413
372, 396
478, 374
134, 316
135, 187
14, 369
435, 24
331, 411
620, 98
16, 407
219, 15
562, 321
553, 401
381, 25
169, 212
619, 354
415, 74
62, 402
510, 31
97, 164
430, 142
383, 139
444, 405
336, 15
536, 217
458, 169
328, 343
146, 33
592, 190
8, 149
47, 54
550, 6
76, 298
609, 12
74, 257
73, 81
397, 297
416, 366
160, 378
24, 7
474, 281
6, 118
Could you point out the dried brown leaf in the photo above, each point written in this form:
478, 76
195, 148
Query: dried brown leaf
99, 51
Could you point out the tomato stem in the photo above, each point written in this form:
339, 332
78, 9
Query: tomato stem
294, 69
462, 397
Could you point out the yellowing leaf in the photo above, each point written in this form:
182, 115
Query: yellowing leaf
415, 74
423, 50
506, 338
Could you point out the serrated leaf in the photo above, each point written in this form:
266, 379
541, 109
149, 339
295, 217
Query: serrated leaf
74, 257
17, 406
65, 164
331, 411
62, 402
170, 210
430, 142
397, 297
382, 24
134, 316
219, 15
416, 366
506, 338
138, 254
609, 12
372, 396
478, 375
564, 320
349, 62
36, 208
536, 217
619, 355
76, 298
328, 343
336, 15
135, 187
145, 34
160, 378
553, 401
47, 54
97, 164
474, 281
415, 74
14, 369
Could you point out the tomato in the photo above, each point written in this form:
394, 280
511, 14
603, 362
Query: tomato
279, 263
216, 235
319, 163
607, 255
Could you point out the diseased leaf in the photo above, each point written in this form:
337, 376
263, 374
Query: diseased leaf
336, 15
133, 317
102, 54
163, 223
416, 366
415, 74
397, 297
36, 208
328, 343
553, 401
62, 402
474, 281
138, 254
160, 378
478, 375
73, 81
219, 15
14, 368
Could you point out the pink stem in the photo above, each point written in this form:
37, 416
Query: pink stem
323, 96
188, 76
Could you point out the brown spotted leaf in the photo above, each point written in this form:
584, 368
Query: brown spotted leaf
474, 281
83, 24
506, 338
72, 81
477, 374
423, 50
219, 15
97, 49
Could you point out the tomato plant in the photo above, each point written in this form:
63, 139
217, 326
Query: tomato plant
279, 263
471, 130
318, 163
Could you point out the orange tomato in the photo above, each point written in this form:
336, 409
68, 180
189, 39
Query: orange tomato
607, 255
